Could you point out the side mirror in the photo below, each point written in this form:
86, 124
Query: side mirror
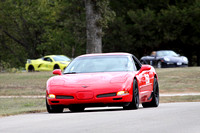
144, 68
57, 72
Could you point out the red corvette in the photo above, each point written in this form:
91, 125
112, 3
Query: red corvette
109, 79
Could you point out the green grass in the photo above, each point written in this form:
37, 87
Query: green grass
171, 80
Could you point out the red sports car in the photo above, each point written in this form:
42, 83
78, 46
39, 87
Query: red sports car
108, 79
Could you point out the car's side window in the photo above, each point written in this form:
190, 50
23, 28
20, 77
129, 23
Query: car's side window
131, 65
137, 63
47, 59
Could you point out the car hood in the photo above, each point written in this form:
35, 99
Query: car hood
63, 62
90, 78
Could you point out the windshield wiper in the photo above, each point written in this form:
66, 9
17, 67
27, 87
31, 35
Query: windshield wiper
71, 73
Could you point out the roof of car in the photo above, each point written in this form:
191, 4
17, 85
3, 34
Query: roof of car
164, 50
55, 55
103, 54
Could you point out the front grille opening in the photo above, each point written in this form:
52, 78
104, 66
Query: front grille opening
117, 98
106, 95
55, 101
64, 97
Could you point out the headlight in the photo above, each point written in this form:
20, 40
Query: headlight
185, 59
51, 96
29, 61
166, 59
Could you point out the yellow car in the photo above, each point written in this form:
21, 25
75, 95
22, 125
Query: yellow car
47, 63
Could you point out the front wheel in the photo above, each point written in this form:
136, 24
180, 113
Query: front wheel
54, 109
155, 96
31, 68
135, 100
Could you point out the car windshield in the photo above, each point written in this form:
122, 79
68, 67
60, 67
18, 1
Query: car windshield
166, 53
61, 58
90, 64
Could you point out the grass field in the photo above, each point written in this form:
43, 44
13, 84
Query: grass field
13, 106
179, 80
171, 80
23, 83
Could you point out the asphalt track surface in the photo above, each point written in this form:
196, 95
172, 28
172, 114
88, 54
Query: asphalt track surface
167, 118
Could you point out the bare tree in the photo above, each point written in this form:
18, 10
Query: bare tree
93, 30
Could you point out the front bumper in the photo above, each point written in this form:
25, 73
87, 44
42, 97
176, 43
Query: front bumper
101, 99
174, 64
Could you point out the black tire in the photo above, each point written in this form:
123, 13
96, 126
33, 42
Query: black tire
76, 108
54, 109
135, 100
56, 67
31, 68
155, 96
159, 64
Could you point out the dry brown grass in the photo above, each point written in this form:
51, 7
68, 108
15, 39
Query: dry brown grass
13, 106
171, 80
23, 83
179, 80
180, 99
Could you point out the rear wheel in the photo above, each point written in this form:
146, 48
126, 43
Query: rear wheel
135, 100
54, 109
56, 67
155, 96
76, 108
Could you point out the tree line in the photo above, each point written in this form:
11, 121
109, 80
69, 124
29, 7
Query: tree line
33, 28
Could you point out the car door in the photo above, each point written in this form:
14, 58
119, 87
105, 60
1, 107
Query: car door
47, 64
145, 79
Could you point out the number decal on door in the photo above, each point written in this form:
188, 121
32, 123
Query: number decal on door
147, 78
